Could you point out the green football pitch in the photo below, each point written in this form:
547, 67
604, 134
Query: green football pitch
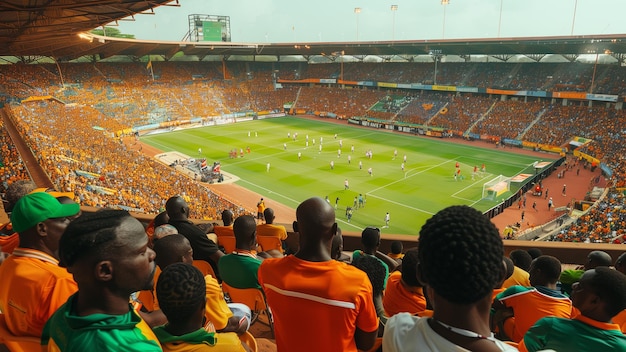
411, 196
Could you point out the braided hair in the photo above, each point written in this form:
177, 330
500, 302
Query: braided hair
375, 272
91, 235
181, 291
460, 254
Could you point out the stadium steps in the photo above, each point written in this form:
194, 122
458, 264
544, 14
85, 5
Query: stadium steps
530, 125
295, 102
482, 117
35, 170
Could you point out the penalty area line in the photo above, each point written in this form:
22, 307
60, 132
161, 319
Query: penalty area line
400, 204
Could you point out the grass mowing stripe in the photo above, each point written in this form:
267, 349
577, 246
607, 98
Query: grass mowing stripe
410, 197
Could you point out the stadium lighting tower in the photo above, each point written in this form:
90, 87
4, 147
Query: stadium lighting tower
394, 8
443, 30
357, 11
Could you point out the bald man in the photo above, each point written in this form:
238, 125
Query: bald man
203, 248
310, 287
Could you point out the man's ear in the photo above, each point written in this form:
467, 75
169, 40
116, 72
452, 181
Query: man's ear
104, 270
41, 229
295, 226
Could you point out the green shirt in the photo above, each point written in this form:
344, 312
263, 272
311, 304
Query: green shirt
240, 270
358, 253
579, 334
68, 332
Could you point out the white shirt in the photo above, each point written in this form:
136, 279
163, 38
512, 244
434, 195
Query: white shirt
404, 332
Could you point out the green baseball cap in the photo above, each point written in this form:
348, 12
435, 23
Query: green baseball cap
37, 207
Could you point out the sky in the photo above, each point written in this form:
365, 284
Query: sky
298, 21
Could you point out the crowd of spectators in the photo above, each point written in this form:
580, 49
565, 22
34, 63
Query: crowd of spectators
114, 96
100, 170
11, 166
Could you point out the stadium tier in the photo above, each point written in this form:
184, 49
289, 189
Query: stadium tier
97, 101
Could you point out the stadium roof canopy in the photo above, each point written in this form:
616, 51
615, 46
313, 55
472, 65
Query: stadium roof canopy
60, 29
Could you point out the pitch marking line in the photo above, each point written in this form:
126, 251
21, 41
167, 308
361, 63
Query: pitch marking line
269, 191
402, 179
400, 204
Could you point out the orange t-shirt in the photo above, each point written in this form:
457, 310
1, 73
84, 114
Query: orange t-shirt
620, 320
317, 306
399, 298
271, 230
33, 287
519, 277
223, 231
529, 305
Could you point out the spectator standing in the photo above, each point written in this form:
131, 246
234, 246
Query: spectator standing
260, 208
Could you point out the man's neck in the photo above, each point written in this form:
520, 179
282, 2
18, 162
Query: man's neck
99, 300
313, 255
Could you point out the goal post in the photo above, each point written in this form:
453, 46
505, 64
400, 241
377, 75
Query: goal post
495, 187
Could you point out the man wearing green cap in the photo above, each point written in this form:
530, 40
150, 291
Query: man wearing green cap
33, 285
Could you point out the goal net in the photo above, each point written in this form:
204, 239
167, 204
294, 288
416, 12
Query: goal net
496, 187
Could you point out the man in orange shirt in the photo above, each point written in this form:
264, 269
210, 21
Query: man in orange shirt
227, 228
33, 284
530, 304
260, 208
318, 304
270, 230
404, 292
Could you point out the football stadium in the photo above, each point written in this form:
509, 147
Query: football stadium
393, 135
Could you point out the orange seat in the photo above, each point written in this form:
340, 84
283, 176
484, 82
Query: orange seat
254, 298
270, 242
204, 267
249, 340
17, 343
228, 242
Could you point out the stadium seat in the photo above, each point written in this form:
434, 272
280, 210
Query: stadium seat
204, 267
254, 298
249, 340
228, 242
270, 242
17, 343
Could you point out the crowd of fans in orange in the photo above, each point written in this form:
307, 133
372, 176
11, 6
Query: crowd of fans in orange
115, 96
